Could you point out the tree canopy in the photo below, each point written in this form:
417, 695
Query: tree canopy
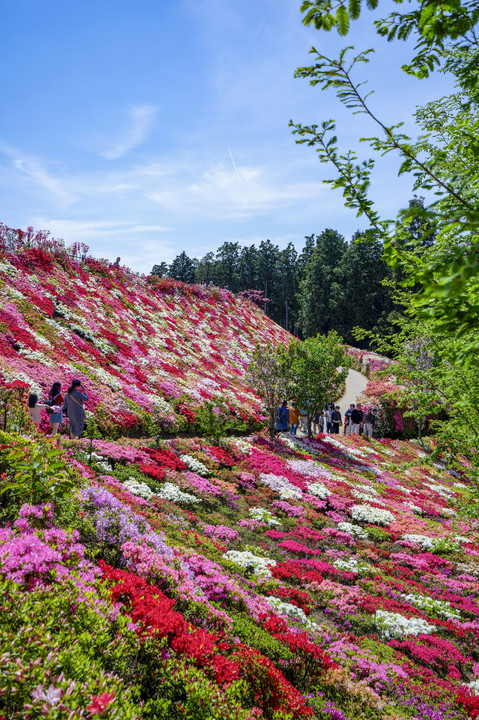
433, 250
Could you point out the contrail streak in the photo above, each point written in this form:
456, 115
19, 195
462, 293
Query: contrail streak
239, 180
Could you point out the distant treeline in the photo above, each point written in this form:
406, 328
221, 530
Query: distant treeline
331, 284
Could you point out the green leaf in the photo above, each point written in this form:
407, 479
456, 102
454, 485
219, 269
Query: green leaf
342, 20
354, 8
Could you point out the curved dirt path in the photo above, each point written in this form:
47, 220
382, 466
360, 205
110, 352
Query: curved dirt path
355, 384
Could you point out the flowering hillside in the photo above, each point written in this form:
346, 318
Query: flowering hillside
325, 579
149, 352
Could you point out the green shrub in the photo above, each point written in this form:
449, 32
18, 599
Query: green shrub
36, 471
61, 654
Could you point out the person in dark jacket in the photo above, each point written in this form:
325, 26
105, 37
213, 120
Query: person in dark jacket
356, 419
282, 417
335, 420
73, 408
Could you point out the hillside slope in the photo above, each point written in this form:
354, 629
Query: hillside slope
144, 349
324, 579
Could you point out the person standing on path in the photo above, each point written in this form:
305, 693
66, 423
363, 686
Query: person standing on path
321, 422
356, 419
293, 419
73, 408
347, 419
369, 423
327, 415
335, 420
282, 418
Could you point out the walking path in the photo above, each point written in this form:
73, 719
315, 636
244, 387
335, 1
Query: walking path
355, 385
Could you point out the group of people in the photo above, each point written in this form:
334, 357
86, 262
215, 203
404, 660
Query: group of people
57, 406
328, 420
359, 422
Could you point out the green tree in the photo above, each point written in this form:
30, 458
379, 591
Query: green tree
206, 269
320, 285
268, 373
227, 258
288, 286
318, 368
445, 160
443, 279
362, 299
183, 268
268, 256
160, 270
248, 268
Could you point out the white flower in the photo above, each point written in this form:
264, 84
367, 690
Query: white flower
9, 269
375, 516
290, 494
436, 607
259, 565
365, 496
265, 516
138, 488
195, 465
352, 565
309, 468
415, 508
243, 447
474, 685
423, 540
319, 490
285, 608
290, 442
393, 625
444, 492
367, 489
355, 530
428, 543
171, 492
280, 484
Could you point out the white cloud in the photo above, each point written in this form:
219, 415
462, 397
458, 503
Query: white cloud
34, 171
74, 230
136, 129
140, 245
239, 191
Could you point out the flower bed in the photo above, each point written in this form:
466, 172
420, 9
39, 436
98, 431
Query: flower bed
208, 597
149, 353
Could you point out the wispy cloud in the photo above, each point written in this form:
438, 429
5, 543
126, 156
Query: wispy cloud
79, 229
34, 171
140, 120
234, 192
139, 245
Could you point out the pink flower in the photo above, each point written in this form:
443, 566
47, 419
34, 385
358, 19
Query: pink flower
52, 695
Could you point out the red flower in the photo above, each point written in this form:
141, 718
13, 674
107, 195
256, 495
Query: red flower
100, 703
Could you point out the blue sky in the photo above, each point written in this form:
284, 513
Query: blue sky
146, 128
